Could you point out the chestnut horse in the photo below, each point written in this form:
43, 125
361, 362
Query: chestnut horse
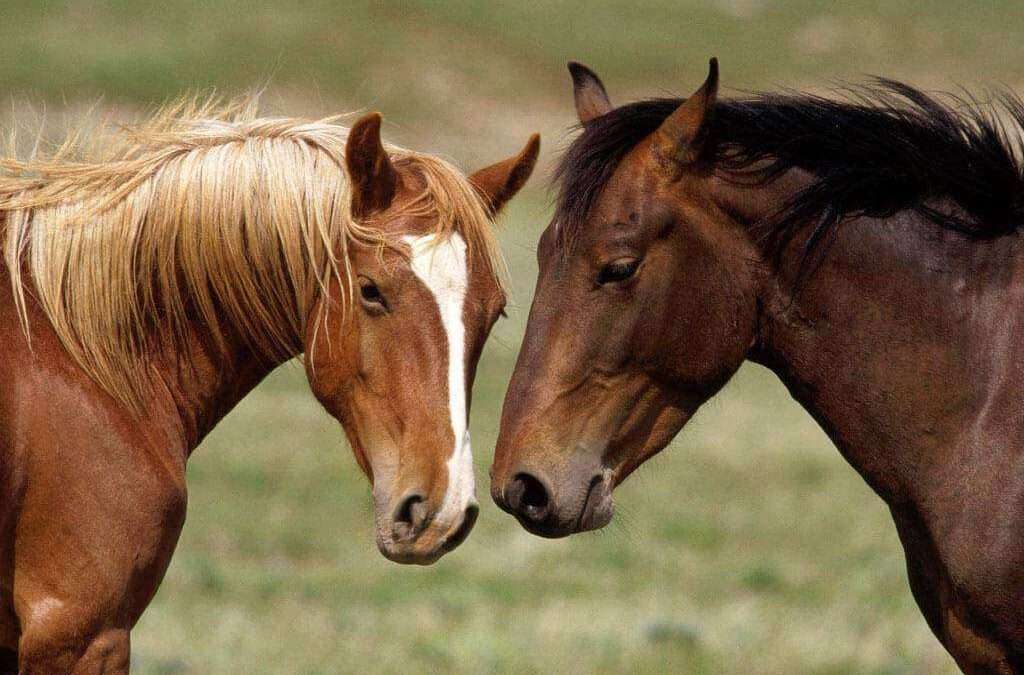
151, 288
867, 251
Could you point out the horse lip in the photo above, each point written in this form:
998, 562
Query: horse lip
461, 531
598, 495
587, 517
546, 530
397, 552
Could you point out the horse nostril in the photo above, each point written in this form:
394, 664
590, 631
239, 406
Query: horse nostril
528, 497
410, 516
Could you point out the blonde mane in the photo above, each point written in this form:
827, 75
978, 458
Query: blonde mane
207, 213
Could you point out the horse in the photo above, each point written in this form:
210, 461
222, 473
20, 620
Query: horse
866, 248
154, 280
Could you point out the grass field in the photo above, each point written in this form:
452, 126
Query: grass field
747, 547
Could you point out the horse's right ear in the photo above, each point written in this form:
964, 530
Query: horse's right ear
681, 137
373, 179
591, 98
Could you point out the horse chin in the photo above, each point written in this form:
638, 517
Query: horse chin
406, 555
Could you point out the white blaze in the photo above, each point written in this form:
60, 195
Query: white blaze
442, 267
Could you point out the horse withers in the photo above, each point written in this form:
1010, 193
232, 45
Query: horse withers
151, 288
868, 252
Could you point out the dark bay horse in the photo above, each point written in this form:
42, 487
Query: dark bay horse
149, 289
868, 251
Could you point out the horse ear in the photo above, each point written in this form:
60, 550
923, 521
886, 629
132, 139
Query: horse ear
373, 178
681, 137
500, 182
591, 98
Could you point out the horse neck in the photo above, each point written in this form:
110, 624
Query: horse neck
192, 382
897, 342
199, 383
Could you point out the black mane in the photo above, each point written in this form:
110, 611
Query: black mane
888, 148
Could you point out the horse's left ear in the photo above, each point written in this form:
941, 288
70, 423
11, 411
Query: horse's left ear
373, 178
681, 137
500, 182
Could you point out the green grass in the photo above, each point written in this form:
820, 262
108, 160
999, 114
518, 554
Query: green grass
749, 546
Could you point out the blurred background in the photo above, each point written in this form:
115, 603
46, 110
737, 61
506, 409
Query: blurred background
749, 546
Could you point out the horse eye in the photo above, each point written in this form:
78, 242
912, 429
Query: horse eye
372, 297
618, 271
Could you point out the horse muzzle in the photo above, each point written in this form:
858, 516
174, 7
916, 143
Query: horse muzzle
575, 504
411, 532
